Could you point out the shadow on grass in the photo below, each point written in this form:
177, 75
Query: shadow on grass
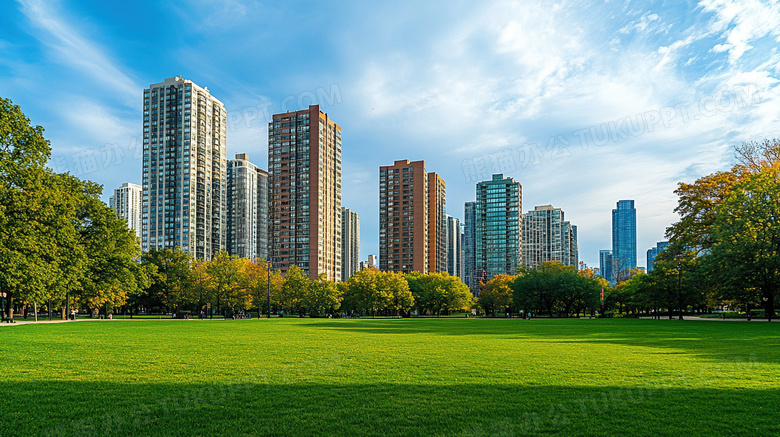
302, 408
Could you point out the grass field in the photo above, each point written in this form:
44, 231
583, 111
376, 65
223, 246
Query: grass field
464, 377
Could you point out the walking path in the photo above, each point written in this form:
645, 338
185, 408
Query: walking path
711, 319
28, 321
40, 321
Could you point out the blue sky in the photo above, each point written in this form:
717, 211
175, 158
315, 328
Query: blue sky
584, 102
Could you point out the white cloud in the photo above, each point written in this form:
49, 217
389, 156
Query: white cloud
95, 123
641, 25
742, 22
75, 50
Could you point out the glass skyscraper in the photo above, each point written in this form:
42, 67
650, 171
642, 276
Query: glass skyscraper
623, 239
653, 252
454, 247
605, 265
498, 227
469, 247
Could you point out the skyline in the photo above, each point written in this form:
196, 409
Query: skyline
457, 87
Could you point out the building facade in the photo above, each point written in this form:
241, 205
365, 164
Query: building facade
454, 237
369, 264
350, 246
605, 265
126, 201
437, 224
403, 217
264, 215
470, 276
498, 225
574, 248
548, 237
247, 205
623, 239
653, 252
184, 169
304, 178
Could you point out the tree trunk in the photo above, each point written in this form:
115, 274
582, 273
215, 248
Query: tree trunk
35, 308
9, 307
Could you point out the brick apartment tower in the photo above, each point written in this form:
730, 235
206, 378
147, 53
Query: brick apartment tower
437, 224
412, 234
304, 178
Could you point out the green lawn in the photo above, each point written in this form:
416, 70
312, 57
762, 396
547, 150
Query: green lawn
464, 377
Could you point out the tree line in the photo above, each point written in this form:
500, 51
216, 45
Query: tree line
58, 240
228, 285
552, 288
724, 250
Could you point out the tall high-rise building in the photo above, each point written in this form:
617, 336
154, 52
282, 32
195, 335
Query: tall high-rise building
623, 239
498, 226
653, 252
454, 249
437, 224
184, 169
126, 201
605, 265
263, 242
470, 276
247, 205
404, 217
350, 246
304, 168
548, 237
574, 249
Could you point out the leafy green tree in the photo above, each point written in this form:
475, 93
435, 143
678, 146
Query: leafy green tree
38, 244
170, 281
362, 292
496, 295
553, 288
710, 239
456, 295
323, 297
228, 281
746, 233
111, 271
394, 288
294, 291
57, 239
201, 286
438, 291
258, 277
374, 292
